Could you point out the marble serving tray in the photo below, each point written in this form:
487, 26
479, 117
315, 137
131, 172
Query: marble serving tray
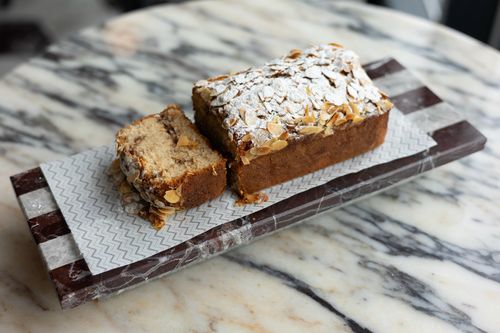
75, 284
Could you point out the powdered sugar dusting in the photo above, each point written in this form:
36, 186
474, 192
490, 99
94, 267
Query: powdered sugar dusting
322, 87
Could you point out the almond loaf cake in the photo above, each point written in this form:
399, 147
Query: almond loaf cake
292, 116
169, 163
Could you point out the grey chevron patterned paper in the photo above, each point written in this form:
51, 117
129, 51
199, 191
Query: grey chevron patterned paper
109, 238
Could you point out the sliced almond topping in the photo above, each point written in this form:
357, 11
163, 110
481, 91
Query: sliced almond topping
310, 130
217, 78
332, 109
333, 119
242, 113
275, 129
279, 144
245, 160
259, 151
340, 121
308, 91
383, 93
250, 118
171, 196
385, 104
336, 45
308, 118
357, 119
247, 137
345, 109
354, 107
294, 54
114, 168
328, 131
124, 188
324, 116
283, 136
351, 91
232, 121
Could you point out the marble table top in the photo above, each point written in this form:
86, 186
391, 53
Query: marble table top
421, 257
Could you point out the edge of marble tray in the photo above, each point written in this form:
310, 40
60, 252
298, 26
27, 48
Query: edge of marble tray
412, 166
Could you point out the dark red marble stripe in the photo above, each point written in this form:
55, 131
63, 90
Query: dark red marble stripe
48, 226
415, 100
378, 69
28, 181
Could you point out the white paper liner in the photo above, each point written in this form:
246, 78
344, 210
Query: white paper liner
109, 238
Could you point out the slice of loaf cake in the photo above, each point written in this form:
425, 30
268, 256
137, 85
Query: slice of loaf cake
169, 163
292, 116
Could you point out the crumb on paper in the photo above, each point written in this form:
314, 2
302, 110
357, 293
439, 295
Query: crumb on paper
253, 198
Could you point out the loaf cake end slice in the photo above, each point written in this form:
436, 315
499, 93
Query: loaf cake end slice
294, 115
169, 163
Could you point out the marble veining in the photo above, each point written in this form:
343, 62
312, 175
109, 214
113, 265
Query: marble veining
421, 257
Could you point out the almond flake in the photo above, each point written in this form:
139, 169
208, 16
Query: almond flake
242, 113
308, 91
275, 129
217, 78
324, 116
259, 151
313, 72
294, 54
279, 144
357, 119
351, 91
336, 45
310, 130
354, 107
246, 138
217, 90
171, 196
340, 121
283, 136
245, 160
250, 118
267, 92
124, 188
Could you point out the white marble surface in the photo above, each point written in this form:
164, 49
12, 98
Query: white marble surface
422, 257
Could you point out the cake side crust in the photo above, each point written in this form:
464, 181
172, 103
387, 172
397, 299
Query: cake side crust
308, 155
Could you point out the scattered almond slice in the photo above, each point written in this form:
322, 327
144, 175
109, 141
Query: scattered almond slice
171, 196
245, 160
294, 54
310, 130
279, 144
259, 151
114, 167
217, 78
253, 198
357, 119
336, 45
124, 188
275, 129
283, 136
246, 138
